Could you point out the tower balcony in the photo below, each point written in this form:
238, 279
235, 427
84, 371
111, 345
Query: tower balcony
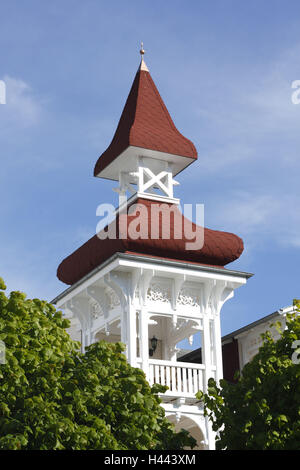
183, 379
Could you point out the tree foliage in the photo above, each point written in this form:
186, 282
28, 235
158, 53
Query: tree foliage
54, 397
262, 410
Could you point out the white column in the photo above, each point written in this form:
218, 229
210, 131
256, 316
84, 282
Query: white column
124, 328
165, 343
206, 351
122, 190
131, 339
82, 339
218, 347
211, 435
144, 340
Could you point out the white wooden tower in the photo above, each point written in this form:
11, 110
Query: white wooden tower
153, 293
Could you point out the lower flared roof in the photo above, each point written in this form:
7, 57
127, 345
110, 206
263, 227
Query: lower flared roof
219, 248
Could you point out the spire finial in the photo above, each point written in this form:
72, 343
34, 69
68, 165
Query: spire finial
142, 51
143, 66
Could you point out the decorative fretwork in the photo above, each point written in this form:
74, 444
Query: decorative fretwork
96, 310
188, 297
159, 293
114, 299
137, 293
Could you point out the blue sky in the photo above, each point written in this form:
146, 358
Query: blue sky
224, 70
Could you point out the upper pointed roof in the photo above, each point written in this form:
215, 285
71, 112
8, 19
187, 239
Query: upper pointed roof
145, 123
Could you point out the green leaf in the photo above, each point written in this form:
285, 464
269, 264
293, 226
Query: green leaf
54, 397
262, 410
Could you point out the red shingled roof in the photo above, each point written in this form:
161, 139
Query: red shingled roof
219, 249
145, 122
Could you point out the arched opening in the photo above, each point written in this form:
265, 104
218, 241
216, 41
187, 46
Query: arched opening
184, 422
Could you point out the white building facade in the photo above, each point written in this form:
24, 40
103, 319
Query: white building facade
248, 339
134, 300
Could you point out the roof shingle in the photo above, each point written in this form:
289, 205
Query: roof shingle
146, 123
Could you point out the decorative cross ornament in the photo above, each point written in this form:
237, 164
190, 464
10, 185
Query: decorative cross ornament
162, 180
147, 179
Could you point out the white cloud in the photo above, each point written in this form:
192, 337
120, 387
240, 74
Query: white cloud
245, 115
249, 149
262, 217
250, 211
23, 108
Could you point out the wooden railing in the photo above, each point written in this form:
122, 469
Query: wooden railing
183, 379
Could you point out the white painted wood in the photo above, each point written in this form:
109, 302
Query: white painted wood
162, 375
144, 340
206, 351
173, 387
168, 376
190, 381
195, 381
128, 161
151, 374
184, 379
218, 348
112, 296
131, 341
179, 383
186, 365
157, 375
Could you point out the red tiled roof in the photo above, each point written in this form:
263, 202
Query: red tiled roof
145, 122
219, 249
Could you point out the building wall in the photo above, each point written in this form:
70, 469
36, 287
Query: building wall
241, 346
231, 362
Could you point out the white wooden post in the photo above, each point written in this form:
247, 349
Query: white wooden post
165, 342
82, 339
206, 351
122, 190
124, 328
144, 341
131, 339
218, 347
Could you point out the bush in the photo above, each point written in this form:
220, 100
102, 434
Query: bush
54, 397
262, 410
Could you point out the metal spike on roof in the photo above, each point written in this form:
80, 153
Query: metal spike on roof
143, 65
